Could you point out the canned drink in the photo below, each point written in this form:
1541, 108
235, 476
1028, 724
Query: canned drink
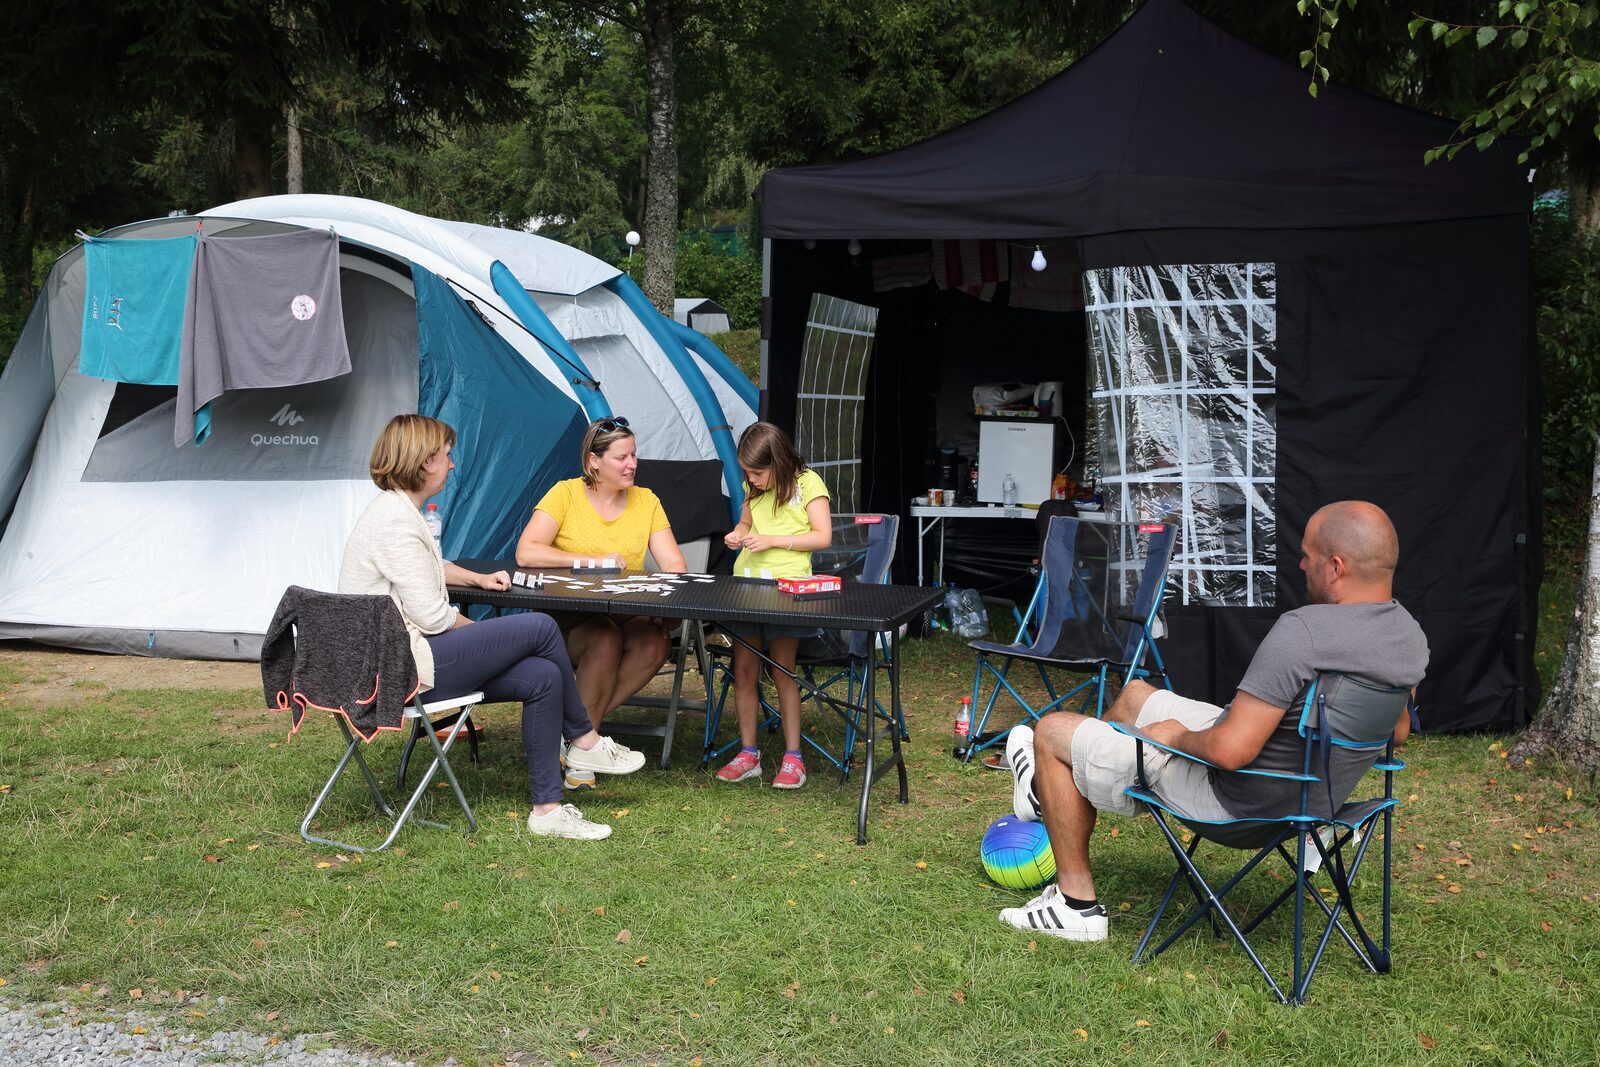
936, 497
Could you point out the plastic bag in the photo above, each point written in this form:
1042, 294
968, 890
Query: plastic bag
968, 616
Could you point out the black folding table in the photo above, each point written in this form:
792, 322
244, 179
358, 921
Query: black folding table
876, 608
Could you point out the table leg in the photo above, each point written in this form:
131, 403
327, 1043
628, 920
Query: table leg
870, 772
938, 579
922, 528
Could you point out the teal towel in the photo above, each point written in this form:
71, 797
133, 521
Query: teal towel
134, 296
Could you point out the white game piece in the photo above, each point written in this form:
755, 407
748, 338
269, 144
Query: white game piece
666, 592
704, 581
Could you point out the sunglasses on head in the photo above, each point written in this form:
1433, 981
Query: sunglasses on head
611, 425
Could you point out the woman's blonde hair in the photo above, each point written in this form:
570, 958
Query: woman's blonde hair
601, 435
403, 447
764, 446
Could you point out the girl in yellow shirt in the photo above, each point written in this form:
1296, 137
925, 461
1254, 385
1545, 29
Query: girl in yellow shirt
785, 519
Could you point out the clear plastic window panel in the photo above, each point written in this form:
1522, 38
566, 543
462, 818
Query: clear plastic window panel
1183, 380
832, 396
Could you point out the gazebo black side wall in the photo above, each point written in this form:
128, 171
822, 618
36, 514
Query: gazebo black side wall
1405, 378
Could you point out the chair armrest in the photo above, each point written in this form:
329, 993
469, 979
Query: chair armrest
1141, 738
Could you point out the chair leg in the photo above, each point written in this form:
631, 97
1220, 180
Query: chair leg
352, 753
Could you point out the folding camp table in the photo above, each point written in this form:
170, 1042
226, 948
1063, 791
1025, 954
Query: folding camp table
876, 608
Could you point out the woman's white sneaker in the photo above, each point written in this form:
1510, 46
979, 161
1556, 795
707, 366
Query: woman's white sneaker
567, 821
606, 757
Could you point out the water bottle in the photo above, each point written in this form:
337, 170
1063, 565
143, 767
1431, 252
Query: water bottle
1008, 491
434, 521
963, 728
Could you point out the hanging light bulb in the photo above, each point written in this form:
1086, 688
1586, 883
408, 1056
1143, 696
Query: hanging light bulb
854, 247
809, 243
1037, 263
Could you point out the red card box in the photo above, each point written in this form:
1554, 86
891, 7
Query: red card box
814, 587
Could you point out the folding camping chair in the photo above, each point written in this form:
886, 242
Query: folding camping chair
691, 492
863, 549
1092, 612
687, 646
1348, 728
418, 715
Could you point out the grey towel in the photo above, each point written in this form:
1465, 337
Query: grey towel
342, 652
262, 312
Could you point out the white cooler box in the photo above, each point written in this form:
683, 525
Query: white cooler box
1025, 450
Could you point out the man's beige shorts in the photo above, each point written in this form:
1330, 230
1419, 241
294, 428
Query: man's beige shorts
1104, 762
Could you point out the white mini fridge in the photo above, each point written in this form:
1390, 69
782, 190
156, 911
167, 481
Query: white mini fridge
1025, 449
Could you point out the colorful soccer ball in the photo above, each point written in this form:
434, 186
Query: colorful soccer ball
1017, 854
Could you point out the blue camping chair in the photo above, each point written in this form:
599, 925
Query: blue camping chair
862, 550
1092, 612
1347, 727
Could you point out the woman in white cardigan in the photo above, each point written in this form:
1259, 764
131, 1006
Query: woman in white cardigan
518, 658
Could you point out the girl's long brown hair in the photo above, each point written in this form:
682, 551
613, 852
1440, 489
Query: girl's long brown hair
764, 446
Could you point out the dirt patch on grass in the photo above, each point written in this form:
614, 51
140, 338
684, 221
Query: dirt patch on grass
64, 678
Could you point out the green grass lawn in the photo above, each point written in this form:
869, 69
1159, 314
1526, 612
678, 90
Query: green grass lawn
148, 842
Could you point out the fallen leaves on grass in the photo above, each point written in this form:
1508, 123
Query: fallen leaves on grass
323, 865
1426, 1041
640, 961
791, 989
958, 996
624, 935
451, 905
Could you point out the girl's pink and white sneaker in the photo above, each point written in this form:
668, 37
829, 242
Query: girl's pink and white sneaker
792, 775
744, 765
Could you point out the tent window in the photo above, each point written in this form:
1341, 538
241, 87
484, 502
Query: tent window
832, 396
1183, 362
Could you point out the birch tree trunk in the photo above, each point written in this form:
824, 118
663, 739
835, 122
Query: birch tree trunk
660, 229
1569, 725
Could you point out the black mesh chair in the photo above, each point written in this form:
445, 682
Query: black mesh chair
862, 550
1307, 819
1097, 600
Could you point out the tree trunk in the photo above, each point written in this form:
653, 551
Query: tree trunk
1569, 725
294, 159
660, 229
252, 151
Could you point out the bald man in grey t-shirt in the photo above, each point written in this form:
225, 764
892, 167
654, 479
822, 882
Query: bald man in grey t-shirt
1073, 766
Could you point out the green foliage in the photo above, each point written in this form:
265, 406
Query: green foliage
705, 269
836, 78
1556, 83
1566, 265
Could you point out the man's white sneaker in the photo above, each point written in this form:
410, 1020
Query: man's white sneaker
567, 821
1019, 754
606, 757
1049, 914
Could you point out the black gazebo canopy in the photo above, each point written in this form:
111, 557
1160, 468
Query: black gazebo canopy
1406, 368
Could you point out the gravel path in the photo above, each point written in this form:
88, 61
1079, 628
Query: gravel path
63, 1034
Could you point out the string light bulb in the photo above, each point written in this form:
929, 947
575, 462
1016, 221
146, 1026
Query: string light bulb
854, 247
810, 243
1037, 263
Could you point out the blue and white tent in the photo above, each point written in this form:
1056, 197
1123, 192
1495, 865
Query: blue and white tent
115, 540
